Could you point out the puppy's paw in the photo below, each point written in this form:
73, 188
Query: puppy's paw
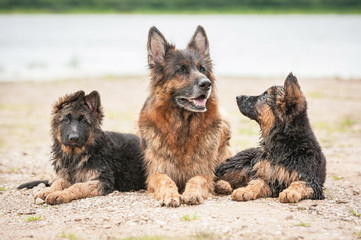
192, 197
243, 194
57, 197
289, 196
43, 194
170, 198
223, 187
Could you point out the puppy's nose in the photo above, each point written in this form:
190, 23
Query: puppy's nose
205, 84
73, 137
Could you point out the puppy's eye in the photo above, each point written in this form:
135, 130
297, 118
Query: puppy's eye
263, 98
181, 70
84, 120
202, 69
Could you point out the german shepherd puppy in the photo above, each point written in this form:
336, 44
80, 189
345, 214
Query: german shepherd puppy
182, 133
289, 162
88, 161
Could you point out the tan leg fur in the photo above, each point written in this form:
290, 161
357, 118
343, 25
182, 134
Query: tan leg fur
76, 191
164, 189
295, 192
197, 189
57, 185
257, 188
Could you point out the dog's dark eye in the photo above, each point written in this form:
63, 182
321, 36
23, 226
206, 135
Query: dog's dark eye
66, 119
84, 120
202, 69
181, 70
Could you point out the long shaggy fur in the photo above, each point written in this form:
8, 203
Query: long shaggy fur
289, 159
88, 161
183, 137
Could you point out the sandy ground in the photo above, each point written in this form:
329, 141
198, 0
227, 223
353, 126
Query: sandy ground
335, 114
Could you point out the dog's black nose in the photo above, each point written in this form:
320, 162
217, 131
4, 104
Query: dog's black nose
73, 137
205, 84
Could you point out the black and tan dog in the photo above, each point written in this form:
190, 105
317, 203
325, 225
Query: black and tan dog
182, 132
289, 162
88, 161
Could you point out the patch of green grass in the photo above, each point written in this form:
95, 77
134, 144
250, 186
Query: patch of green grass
2, 189
315, 95
186, 217
68, 235
303, 224
336, 178
12, 169
34, 218
356, 214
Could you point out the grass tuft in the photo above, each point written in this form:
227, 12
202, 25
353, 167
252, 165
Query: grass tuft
68, 235
34, 218
303, 224
356, 214
186, 217
336, 178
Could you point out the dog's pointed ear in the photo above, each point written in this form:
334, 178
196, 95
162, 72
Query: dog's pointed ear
68, 99
157, 47
294, 99
199, 42
92, 100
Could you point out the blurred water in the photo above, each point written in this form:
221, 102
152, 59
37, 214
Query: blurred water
47, 47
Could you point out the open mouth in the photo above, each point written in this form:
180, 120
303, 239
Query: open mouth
193, 104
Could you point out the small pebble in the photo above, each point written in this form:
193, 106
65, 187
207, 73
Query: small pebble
39, 201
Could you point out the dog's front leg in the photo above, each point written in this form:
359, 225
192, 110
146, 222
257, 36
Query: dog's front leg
76, 191
197, 189
296, 192
257, 188
164, 189
58, 185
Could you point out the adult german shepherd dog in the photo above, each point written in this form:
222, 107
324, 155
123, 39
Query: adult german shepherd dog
182, 132
88, 161
289, 162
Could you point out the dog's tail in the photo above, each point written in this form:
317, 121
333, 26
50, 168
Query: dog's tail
32, 184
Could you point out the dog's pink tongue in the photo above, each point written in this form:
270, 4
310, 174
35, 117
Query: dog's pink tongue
201, 102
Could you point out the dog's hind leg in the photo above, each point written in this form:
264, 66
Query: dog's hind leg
76, 191
197, 189
58, 185
296, 192
164, 189
257, 188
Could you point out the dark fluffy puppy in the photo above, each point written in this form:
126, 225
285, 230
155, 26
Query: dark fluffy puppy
88, 161
289, 162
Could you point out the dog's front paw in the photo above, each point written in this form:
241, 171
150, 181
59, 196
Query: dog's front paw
170, 199
192, 197
243, 194
57, 197
289, 196
223, 187
43, 194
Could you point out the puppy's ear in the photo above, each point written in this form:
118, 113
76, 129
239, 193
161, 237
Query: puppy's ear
199, 42
157, 47
67, 99
294, 99
92, 100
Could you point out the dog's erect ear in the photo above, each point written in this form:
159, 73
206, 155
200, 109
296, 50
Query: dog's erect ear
92, 100
157, 47
294, 99
68, 99
199, 42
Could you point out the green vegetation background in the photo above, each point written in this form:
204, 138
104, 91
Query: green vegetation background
180, 6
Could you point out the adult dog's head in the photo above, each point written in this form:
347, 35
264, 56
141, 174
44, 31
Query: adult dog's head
181, 77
